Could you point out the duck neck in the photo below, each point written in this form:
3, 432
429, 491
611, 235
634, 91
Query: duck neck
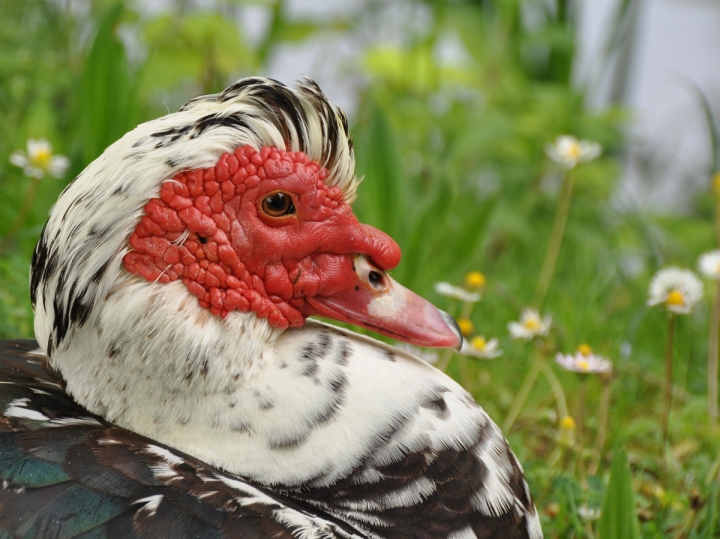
154, 361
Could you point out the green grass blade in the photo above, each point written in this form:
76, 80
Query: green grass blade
618, 517
380, 202
712, 509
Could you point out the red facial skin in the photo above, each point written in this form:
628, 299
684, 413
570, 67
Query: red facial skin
209, 228
250, 261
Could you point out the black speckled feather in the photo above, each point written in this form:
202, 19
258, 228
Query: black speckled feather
68, 473
73, 475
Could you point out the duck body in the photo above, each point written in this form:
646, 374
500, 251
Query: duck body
178, 389
67, 472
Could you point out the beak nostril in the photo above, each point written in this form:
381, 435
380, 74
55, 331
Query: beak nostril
376, 279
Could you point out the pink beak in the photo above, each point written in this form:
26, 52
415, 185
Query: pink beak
378, 302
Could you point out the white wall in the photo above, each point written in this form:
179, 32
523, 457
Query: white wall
676, 45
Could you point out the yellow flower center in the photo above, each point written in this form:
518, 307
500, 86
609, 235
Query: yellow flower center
567, 423
675, 298
466, 326
584, 349
532, 323
584, 365
479, 343
41, 158
574, 150
475, 280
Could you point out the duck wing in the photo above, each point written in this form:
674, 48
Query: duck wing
67, 473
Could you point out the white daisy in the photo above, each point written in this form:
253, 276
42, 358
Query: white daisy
456, 292
709, 264
584, 363
588, 513
568, 151
481, 348
530, 325
678, 289
39, 160
426, 355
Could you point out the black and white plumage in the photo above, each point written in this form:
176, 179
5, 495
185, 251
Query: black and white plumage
195, 425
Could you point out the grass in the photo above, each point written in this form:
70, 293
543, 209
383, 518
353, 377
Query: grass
455, 170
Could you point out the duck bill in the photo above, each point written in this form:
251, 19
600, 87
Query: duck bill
376, 301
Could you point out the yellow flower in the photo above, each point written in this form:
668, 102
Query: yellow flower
466, 326
567, 423
584, 349
567, 431
475, 280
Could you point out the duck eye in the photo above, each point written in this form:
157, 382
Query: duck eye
278, 204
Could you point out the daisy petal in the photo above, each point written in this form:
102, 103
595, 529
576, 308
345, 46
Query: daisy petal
675, 288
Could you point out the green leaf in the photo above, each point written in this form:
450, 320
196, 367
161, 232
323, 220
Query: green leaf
106, 104
378, 160
205, 48
618, 517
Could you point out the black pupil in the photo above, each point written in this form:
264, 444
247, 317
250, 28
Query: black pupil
278, 204
375, 278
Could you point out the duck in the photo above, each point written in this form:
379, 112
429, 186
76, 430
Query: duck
180, 383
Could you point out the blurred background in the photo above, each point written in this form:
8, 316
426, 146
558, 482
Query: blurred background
452, 104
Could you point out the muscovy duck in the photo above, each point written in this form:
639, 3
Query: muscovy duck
177, 388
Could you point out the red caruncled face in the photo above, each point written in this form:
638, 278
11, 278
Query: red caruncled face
265, 232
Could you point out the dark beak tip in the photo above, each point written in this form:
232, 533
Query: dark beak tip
452, 324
